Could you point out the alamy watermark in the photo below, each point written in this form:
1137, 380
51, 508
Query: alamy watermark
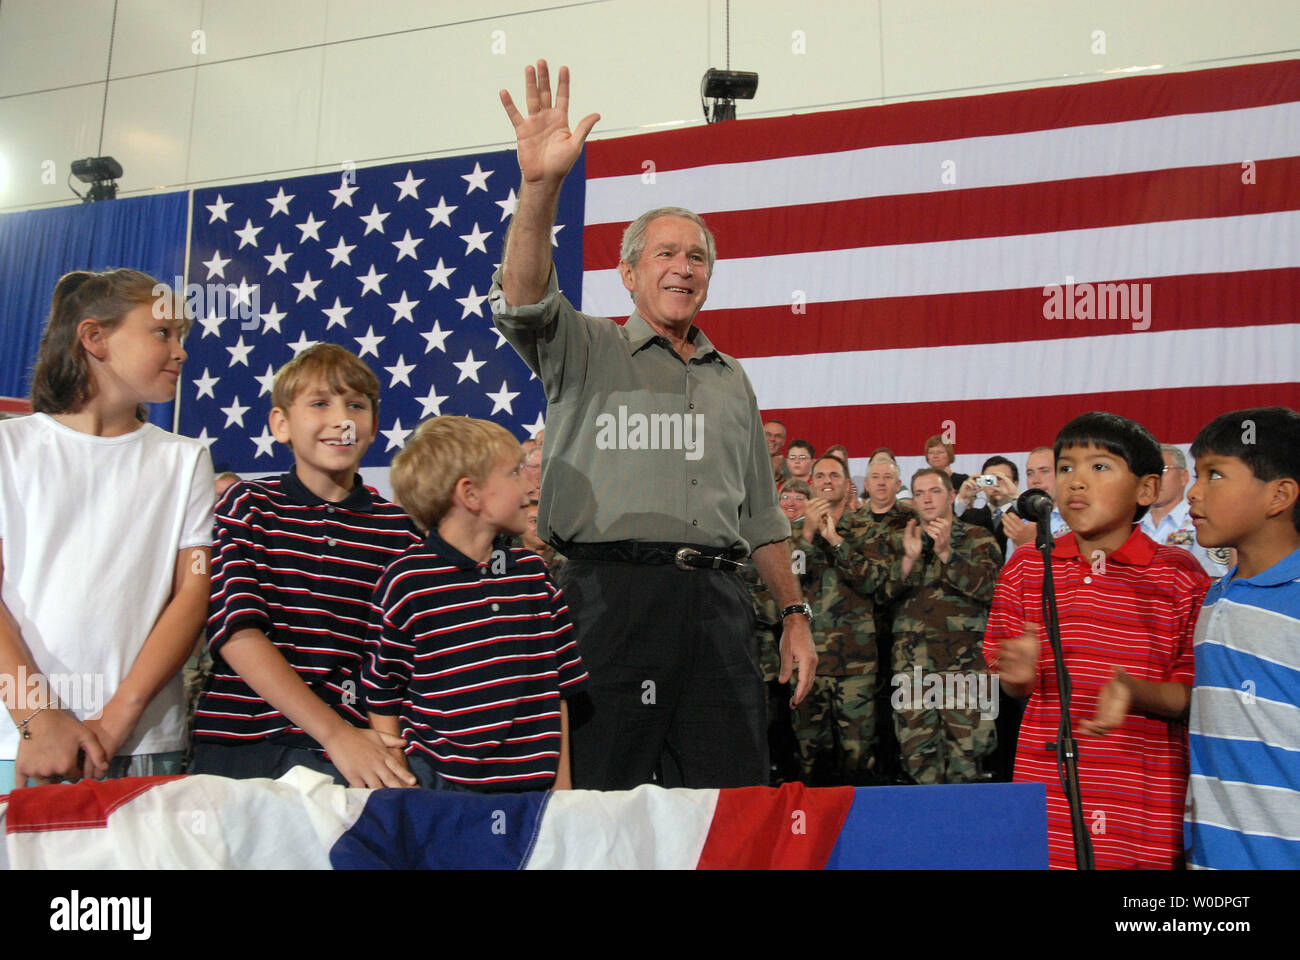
655, 431
225, 301
81, 692
924, 690
1098, 301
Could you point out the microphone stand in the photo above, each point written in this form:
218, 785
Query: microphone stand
1065, 747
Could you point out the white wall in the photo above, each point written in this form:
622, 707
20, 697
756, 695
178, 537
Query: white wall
296, 86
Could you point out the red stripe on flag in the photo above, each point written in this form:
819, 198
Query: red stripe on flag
1021, 423
1016, 111
73, 806
1188, 193
14, 405
1192, 302
792, 827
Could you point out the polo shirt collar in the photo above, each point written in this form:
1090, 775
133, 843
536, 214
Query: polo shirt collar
1137, 551
462, 562
358, 499
1284, 571
640, 334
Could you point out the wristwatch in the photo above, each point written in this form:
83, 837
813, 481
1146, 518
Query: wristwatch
803, 608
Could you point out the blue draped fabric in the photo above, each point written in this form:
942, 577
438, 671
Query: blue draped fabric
39, 246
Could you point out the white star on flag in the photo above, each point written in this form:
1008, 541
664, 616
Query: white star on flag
410, 187
476, 180
406, 246
216, 266
396, 436
302, 343
205, 384
436, 337
374, 220
371, 281
278, 260
265, 443
554, 230
343, 193
211, 325
508, 204
337, 314
248, 235
204, 439
471, 304
306, 287
271, 319
240, 351
468, 367
235, 413
536, 427
475, 240
439, 275
502, 398
441, 213
369, 343
340, 252
218, 210
280, 202
401, 372
266, 380
431, 403
402, 308
310, 226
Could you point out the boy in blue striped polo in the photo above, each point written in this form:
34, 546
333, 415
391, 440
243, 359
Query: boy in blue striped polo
294, 562
1243, 796
471, 654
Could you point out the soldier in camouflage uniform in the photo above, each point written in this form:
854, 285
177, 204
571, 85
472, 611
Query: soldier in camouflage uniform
941, 591
844, 566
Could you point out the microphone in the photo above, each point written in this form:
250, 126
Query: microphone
1035, 505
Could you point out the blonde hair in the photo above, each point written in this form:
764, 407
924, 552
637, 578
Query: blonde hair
424, 473
61, 380
337, 366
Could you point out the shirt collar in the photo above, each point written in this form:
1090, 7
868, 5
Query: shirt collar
1138, 550
1284, 571
640, 334
358, 499
445, 550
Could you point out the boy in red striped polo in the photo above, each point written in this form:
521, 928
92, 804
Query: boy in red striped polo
471, 655
1127, 609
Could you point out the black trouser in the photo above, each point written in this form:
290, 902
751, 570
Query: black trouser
675, 684
261, 758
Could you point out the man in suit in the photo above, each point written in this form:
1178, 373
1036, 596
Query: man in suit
996, 499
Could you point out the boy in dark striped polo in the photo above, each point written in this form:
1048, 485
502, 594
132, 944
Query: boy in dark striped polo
294, 562
471, 654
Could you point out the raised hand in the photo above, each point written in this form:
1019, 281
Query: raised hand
548, 149
1018, 658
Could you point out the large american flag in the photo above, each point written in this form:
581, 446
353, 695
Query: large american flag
882, 270
393, 262
885, 273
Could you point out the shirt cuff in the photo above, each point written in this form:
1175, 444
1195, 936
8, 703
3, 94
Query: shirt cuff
529, 315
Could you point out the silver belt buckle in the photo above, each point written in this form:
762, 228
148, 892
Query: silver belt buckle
683, 555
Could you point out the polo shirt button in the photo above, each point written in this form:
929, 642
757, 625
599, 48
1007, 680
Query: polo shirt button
1087, 579
496, 607
329, 509
694, 482
331, 541
695, 523
692, 405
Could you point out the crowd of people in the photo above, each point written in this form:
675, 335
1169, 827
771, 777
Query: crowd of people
576, 614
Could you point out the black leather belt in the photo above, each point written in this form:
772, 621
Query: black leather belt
687, 556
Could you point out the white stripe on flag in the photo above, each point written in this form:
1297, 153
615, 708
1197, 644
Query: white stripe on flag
1173, 248
1072, 365
648, 828
1094, 150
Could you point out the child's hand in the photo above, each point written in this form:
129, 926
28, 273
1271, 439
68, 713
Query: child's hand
57, 741
365, 758
1018, 658
111, 727
1113, 704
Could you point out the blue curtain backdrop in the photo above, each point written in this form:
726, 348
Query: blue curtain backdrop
39, 246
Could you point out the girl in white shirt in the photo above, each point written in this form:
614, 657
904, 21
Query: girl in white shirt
105, 533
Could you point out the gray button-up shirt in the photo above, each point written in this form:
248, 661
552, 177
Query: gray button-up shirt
641, 445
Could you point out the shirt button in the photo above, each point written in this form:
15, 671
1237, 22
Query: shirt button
1087, 579
694, 482
695, 523
329, 509
692, 405
496, 607
331, 541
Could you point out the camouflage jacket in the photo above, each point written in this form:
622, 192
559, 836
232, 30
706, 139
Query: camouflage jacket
840, 584
943, 606
767, 612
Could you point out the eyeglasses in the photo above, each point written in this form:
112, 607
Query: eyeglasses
797, 456
793, 498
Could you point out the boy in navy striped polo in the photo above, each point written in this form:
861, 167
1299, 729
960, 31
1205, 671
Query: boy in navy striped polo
294, 562
1243, 795
1127, 609
471, 654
